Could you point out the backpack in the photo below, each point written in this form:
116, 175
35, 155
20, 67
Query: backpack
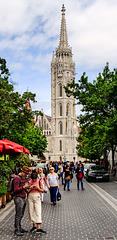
11, 185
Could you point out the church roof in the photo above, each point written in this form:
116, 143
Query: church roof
48, 117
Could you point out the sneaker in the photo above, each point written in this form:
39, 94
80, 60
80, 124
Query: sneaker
68, 189
78, 189
83, 188
40, 231
33, 229
18, 233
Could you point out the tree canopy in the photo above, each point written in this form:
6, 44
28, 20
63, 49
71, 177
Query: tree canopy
16, 120
98, 120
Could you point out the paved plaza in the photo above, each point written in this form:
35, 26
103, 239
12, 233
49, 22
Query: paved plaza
86, 215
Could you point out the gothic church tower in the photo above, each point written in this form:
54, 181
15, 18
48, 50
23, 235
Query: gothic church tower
63, 116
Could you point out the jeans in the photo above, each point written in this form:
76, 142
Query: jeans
78, 180
53, 191
68, 185
20, 204
61, 176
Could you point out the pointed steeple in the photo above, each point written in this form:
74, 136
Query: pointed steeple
63, 43
53, 57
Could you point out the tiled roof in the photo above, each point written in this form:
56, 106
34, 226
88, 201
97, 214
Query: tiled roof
49, 118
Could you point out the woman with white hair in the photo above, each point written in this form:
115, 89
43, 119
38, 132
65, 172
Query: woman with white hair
53, 185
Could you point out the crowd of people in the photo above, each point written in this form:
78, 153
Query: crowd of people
31, 184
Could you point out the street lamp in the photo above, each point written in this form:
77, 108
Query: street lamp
64, 158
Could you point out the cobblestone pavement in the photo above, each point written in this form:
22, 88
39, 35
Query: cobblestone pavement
79, 215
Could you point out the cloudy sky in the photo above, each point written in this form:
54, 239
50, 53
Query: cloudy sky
30, 31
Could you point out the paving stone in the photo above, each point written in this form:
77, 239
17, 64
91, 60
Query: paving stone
79, 215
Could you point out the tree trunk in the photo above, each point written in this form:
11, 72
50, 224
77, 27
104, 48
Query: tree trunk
106, 160
113, 155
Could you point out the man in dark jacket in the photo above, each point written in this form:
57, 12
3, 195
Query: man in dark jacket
79, 176
20, 199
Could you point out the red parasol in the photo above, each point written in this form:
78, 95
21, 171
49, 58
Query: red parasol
26, 150
7, 147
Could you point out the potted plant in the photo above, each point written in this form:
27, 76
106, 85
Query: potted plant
3, 191
5, 171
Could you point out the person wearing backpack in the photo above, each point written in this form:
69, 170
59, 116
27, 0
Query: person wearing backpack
20, 199
10, 183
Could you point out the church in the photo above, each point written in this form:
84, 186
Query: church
61, 127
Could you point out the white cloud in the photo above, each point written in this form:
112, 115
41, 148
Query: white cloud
42, 105
30, 30
16, 66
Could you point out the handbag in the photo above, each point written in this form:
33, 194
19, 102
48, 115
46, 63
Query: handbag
45, 189
80, 175
71, 175
58, 196
68, 178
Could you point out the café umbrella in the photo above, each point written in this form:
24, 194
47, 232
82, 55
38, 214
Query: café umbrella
7, 147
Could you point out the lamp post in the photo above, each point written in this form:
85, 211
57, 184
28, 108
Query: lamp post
64, 158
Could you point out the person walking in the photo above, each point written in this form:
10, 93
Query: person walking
67, 178
42, 178
53, 185
60, 172
79, 176
20, 199
35, 187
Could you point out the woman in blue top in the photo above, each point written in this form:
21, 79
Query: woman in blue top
53, 185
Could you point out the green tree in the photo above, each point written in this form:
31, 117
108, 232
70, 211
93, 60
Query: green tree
16, 120
14, 116
99, 107
20, 160
35, 141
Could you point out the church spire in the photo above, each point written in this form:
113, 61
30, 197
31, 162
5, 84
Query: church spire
63, 43
53, 57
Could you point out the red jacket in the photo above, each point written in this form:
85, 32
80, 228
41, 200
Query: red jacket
19, 182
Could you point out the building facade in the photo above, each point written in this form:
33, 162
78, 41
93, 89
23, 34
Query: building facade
61, 128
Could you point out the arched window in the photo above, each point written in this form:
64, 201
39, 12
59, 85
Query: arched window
66, 126
47, 126
60, 145
67, 109
44, 124
60, 88
39, 123
49, 133
61, 128
60, 109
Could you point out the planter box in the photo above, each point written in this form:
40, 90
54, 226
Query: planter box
0, 202
8, 197
3, 200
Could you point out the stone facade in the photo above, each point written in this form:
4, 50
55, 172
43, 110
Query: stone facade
61, 127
